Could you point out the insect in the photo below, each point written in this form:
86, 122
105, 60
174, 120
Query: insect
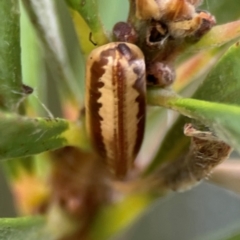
115, 103
117, 74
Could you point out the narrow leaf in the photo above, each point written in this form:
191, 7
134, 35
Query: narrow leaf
52, 21
219, 35
223, 119
11, 91
33, 67
195, 67
223, 83
21, 136
224, 11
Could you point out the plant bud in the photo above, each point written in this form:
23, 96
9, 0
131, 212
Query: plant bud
124, 32
160, 74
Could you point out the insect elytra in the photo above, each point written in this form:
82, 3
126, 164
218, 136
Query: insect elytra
115, 103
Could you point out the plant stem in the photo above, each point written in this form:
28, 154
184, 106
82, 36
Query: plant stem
11, 91
88, 9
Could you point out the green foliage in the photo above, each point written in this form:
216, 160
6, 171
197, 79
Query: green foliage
10, 63
215, 88
32, 136
23, 229
60, 62
90, 13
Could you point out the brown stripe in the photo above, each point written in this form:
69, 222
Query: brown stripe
141, 101
121, 161
96, 73
140, 86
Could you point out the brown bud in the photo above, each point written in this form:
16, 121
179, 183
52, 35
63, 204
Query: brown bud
208, 21
160, 74
196, 26
124, 32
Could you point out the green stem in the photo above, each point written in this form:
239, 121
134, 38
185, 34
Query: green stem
161, 97
11, 91
89, 11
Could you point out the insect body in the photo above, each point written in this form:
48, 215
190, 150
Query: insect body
115, 103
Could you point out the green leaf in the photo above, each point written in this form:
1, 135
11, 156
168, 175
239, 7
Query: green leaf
55, 29
11, 91
218, 36
33, 67
22, 136
24, 229
195, 68
223, 82
223, 119
224, 11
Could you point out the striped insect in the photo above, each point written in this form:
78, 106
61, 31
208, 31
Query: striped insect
115, 104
